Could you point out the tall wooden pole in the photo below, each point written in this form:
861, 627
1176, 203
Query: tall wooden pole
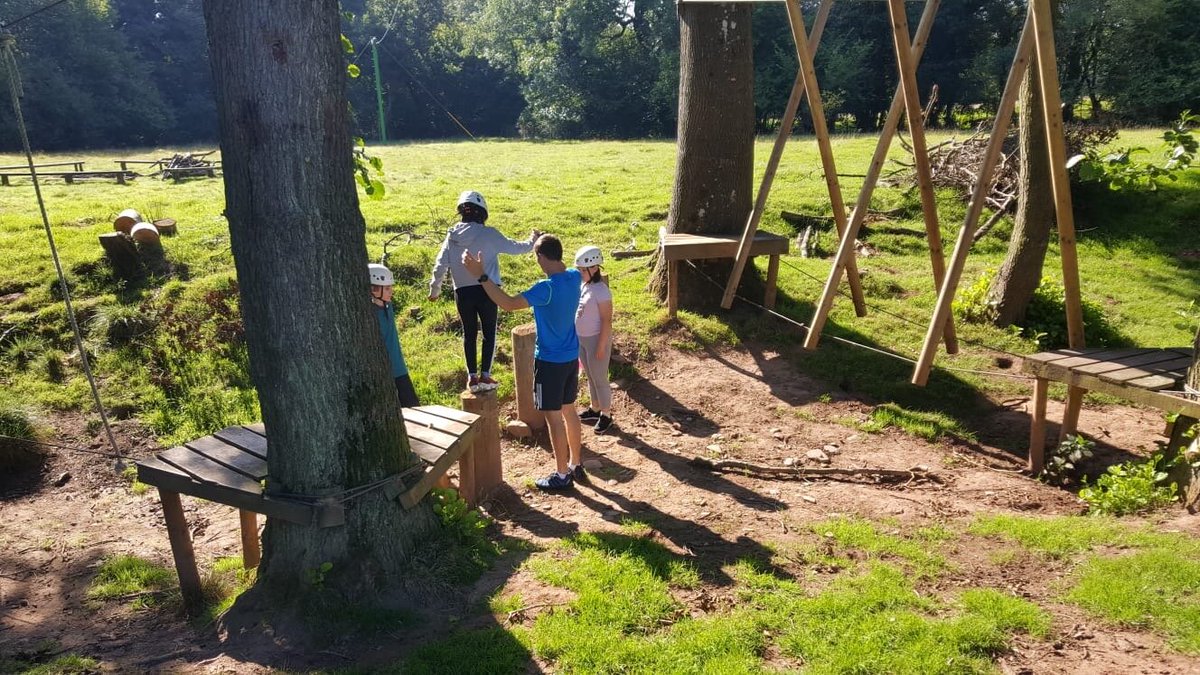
958, 259
821, 131
785, 132
845, 252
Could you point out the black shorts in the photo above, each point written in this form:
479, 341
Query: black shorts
554, 384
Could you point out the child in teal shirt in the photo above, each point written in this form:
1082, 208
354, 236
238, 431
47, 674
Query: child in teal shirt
381, 296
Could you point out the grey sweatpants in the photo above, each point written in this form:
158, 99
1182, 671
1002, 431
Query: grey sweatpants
597, 371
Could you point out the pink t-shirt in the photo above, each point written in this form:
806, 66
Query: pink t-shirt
587, 317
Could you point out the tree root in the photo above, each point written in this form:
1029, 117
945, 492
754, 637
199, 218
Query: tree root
827, 473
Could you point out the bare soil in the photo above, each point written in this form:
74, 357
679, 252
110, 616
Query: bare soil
747, 404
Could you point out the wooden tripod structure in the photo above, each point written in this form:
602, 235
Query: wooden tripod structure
1037, 38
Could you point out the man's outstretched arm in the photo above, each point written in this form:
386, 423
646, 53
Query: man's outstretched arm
511, 303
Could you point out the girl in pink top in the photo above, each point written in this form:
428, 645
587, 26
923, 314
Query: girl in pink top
593, 325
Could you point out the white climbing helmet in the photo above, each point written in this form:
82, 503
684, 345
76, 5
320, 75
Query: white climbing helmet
381, 275
472, 197
588, 256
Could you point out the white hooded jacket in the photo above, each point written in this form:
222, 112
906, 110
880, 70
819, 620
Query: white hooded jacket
473, 237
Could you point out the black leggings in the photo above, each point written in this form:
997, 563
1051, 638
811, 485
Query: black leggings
474, 308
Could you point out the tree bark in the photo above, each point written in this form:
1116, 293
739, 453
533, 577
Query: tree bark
714, 166
1021, 272
316, 355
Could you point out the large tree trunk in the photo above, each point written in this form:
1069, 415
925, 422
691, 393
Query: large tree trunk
1019, 276
316, 356
714, 166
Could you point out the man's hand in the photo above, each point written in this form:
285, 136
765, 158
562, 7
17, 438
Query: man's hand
473, 263
534, 234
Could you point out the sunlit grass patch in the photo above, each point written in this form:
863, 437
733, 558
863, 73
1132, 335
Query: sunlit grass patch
1063, 536
493, 651
64, 664
928, 425
1155, 589
865, 536
227, 579
126, 575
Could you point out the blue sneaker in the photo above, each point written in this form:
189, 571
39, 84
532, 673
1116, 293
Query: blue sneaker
555, 483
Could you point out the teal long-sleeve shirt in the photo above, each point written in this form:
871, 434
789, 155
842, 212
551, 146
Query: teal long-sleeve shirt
391, 339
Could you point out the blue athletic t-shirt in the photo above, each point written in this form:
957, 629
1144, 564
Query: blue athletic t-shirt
554, 302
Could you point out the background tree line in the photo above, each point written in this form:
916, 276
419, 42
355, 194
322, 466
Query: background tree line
109, 73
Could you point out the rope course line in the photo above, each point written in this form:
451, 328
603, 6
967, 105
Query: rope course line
69, 448
7, 46
429, 93
884, 352
903, 318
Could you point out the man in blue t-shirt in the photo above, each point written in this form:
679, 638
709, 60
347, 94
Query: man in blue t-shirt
556, 354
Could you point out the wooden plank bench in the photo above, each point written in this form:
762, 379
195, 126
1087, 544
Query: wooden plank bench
677, 247
71, 176
148, 162
1139, 375
77, 166
230, 467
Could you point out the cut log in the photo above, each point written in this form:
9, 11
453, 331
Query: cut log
122, 254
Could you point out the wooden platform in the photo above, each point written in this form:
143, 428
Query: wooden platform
687, 246
1138, 375
230, 467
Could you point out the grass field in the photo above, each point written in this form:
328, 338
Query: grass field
163, 351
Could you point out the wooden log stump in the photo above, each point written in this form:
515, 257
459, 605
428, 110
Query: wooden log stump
481, 469
123, 255
524, 337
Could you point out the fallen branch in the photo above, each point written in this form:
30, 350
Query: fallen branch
798, 472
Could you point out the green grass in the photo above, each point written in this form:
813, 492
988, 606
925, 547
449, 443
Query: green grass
1128, 575
164, 354
931, 426
863, 535
126, 575
64, 664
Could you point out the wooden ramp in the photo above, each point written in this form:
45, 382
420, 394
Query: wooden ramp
1142, 376
230, 467
688, 246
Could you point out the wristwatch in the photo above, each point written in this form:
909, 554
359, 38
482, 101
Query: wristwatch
482, 279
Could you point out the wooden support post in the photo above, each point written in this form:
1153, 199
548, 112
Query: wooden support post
4, 179
251, 554
68, 178
1037, 427
958, 259
764, 189
907, 68
821, 131
1043, 24
1071, 413
845, 254
181, 548
524, 338
121, 178
480, 467
672, 288
772, 282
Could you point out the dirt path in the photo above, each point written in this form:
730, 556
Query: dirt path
746, 404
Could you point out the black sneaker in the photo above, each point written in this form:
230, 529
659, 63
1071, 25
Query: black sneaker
578, 474
589, 415
603, 422
555, 483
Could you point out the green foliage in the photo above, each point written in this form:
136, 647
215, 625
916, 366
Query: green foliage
1120, 171
863, 535
316, 575
226, 580
127, 575
1045, 318
928, 425
1157, 589
1132, 487
466, 524
1063, 461
41, 661
121, 324
1064, 536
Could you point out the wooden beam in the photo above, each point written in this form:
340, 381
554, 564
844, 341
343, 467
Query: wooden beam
785, 132
958, 259
907, 68
181, 549
845, 254
251, 554
1043, 25
1037, 427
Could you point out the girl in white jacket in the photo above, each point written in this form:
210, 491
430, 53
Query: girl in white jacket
474, 306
